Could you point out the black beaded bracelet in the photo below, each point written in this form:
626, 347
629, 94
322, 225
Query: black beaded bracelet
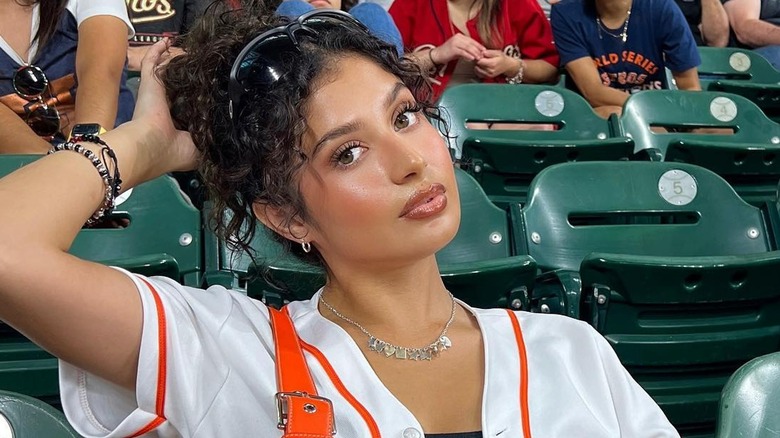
112, 182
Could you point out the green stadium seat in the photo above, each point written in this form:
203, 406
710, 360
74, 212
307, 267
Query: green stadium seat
22, 416
505, 161
742, 72
750, 403
735, 64
163, 237
477, 266
749, 158
668, 263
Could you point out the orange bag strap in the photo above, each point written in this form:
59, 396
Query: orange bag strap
301, 413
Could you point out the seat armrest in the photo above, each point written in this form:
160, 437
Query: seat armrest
559, 291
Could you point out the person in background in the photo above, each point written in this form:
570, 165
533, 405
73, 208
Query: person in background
612, 48
756, 25
372, 15
52, 51
707, 20
156, 19
463, 41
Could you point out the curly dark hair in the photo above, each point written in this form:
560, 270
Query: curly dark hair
257, 159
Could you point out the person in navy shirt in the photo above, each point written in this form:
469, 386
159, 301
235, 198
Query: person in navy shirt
612, 48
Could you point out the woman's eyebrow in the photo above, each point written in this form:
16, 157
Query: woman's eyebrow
336, 132
353, 126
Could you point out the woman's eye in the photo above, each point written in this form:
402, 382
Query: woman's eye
406, 119
349, 155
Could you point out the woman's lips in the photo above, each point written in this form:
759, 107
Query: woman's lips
425, 203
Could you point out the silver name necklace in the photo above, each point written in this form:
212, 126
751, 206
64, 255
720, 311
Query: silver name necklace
622, 35
387, 349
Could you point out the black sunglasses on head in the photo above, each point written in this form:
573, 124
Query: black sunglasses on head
259, 63
30, 83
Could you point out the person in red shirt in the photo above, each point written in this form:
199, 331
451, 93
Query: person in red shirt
462, 41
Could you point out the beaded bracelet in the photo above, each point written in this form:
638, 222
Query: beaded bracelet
112, 182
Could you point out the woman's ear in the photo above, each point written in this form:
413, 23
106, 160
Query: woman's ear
278, 219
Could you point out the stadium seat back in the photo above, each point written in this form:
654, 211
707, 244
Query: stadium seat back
557, 126
734, 64
484, 228
673, 268
750, 402
636, 208
22, 416
742, 72
163, 236
477, 266
698, 126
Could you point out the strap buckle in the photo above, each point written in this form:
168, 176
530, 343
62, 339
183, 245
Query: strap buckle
282, 410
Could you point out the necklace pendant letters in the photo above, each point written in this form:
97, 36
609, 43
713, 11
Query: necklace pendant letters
387, 349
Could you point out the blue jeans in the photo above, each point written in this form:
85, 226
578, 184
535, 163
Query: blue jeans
372, 15
771, 53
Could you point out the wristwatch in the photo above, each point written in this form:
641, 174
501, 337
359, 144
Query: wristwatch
87, 129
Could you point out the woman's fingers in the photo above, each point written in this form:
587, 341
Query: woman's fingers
153, 58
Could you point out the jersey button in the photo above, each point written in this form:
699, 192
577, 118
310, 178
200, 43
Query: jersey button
411, 432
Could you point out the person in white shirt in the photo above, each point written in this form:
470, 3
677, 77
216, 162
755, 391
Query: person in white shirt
50, 52
319, 131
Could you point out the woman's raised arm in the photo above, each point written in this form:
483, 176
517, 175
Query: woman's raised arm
85, 313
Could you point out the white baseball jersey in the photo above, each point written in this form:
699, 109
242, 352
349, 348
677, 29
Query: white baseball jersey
206, 369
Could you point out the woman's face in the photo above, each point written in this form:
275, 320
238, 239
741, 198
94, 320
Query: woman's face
379, 184
319, 4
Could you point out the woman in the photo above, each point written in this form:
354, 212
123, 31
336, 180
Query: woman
462, 41
50, 51
612, 48
346, 171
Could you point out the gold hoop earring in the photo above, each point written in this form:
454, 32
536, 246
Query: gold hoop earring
306, 246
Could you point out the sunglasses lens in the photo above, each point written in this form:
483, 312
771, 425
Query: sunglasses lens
44, 121
261, 66
261, 62
30, 81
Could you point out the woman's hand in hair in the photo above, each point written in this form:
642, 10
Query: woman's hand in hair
458, 47
164, 145
495, 63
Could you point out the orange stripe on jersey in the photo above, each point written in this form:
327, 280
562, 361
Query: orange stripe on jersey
162, 363
523, 375
149, 427
370, 422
